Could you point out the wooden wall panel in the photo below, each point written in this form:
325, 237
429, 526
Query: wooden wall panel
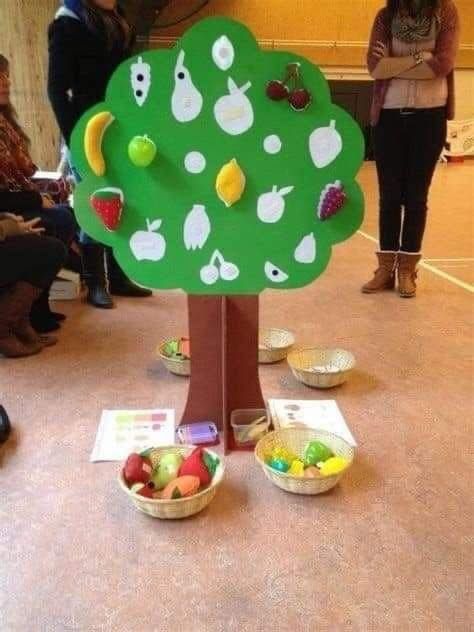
24, 24
331, 32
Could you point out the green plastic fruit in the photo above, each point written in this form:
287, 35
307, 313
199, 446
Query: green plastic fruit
141, 151
167, 470
316, 452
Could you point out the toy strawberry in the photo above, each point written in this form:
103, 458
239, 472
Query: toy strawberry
108, 205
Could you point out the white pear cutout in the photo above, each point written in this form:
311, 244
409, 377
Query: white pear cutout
271, 205
274, 274
197, 227
234, 111
223, 53
305, 252
141, 80
325, 145
148, 245
186, 102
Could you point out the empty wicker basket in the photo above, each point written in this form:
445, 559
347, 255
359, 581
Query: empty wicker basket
274, 345
178, 366
295, 440
321, 368
179, 507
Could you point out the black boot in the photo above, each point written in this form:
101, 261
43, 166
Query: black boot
42, 319
5, 427
95, 276
120, 284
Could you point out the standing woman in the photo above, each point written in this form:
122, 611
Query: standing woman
88, 39
411, 56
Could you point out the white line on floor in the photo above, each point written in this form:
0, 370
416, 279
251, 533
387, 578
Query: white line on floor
427, 266
458, 259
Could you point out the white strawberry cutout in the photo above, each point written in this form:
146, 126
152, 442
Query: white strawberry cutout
223, 53
148, 245
325, 145
141, 80
305, 252
197, 227
186, 102
271, 205
234, 112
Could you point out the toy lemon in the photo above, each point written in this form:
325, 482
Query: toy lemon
334, 465
296, 468
230, 183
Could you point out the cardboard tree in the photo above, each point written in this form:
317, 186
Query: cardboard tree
220, 169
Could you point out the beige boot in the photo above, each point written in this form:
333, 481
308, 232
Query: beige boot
15, 305
384, 276
407, 273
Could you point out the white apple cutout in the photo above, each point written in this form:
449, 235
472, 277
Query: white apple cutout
197, 227
148, 245
325, 145
305, 252
141, 80
234, 112
223, 53
186, 102
271, 205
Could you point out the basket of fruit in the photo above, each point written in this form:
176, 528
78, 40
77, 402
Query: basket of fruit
321, 368
172, 482
274, 345
303, 460
175, 355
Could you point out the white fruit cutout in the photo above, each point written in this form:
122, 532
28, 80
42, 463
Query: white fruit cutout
305, 252
272, 144
141, 80
197, 227
275, 274
194, 162
218, 268
148, 245
186, 102
223, 53
325, 145
234, 112
271, 205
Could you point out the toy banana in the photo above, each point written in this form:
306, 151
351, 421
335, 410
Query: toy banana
93, 138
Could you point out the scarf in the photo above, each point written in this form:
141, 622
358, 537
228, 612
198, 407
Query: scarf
419, 28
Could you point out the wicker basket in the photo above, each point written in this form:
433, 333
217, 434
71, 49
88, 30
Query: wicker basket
178, 366
274, 345
295, 440
179, 507
303, 361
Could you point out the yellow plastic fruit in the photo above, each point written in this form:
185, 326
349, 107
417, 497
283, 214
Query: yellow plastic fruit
280, 452
93, 138
230, 183
296, 468
334, 465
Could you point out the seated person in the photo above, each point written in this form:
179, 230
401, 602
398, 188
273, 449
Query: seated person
29, 263
16, 169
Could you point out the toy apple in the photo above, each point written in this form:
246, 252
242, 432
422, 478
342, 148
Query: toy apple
137, 469
316, 452
141, 151
148, 245
167, 470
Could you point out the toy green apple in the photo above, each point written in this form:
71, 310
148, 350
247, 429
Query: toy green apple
142, 151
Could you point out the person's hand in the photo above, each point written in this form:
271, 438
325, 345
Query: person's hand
31, 227
17, 218
427, 55
47, 201
380, 50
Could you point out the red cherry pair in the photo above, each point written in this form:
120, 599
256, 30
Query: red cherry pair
290, 89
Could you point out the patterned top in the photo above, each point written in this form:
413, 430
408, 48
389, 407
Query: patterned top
16, 165
442, 63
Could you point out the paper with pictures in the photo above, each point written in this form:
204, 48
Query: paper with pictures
322, 414
121, 432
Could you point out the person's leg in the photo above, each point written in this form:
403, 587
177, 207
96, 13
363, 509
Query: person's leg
120, 284
427, 137
389, 144
28, 264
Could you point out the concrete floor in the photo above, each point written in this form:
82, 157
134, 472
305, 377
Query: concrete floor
389, 549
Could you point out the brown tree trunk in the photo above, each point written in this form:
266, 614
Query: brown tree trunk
223, 331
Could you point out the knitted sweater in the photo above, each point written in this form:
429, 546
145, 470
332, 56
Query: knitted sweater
442, 62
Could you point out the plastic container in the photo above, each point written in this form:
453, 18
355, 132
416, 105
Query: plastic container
246, 431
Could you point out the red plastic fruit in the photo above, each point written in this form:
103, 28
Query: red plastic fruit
137, 469
300, 99
194, 465
147, 491
108, 207
277, 91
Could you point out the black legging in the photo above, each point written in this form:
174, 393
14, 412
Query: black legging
31, 258
407, 148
